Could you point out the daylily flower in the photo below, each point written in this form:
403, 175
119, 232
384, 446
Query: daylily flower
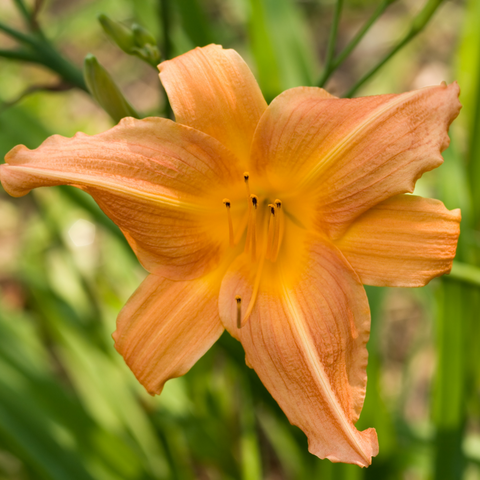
265, 220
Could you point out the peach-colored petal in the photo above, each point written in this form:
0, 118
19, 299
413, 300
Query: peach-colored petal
404, 241
213, 90
166, 326
352, 153
160, 182
306, 340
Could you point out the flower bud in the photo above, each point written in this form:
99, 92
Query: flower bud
142, 36
105, 91
136, 40
147, 45
121, 35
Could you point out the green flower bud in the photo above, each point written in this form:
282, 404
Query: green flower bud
119, 33
142, 36
105, 91
147, 46
136, 41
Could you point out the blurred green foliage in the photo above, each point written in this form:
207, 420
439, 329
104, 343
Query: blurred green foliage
70, 408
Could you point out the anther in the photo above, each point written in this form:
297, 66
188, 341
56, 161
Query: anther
231, 238
254, 200
238, 299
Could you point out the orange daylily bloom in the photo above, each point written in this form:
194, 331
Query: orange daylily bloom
265, 220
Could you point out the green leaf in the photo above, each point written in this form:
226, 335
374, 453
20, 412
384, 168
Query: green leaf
195, 22
251, 464
280, 45
450, 383
469, 79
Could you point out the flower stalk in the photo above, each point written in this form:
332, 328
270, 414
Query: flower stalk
418, 24
331, 66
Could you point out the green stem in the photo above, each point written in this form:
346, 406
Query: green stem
474, 151
23, 55
419, 23
466, 273
355, 41
24, 11
21, 37
166, 16
43, 53
52, 59
29, 15
332, 40
165, 13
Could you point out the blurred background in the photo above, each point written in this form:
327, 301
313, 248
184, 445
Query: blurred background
70, 409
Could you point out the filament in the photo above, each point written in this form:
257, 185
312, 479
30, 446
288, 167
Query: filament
279, 230
251, 242
256, 285
238, 299
271, 232
231, 237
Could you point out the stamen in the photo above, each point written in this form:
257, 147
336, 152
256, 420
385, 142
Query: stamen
252, 227
238, 299
227, 203
246, 177
271, 230
279, 230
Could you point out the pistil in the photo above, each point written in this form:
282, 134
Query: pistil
258, 278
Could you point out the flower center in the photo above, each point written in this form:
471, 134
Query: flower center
265, 225
265, 229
